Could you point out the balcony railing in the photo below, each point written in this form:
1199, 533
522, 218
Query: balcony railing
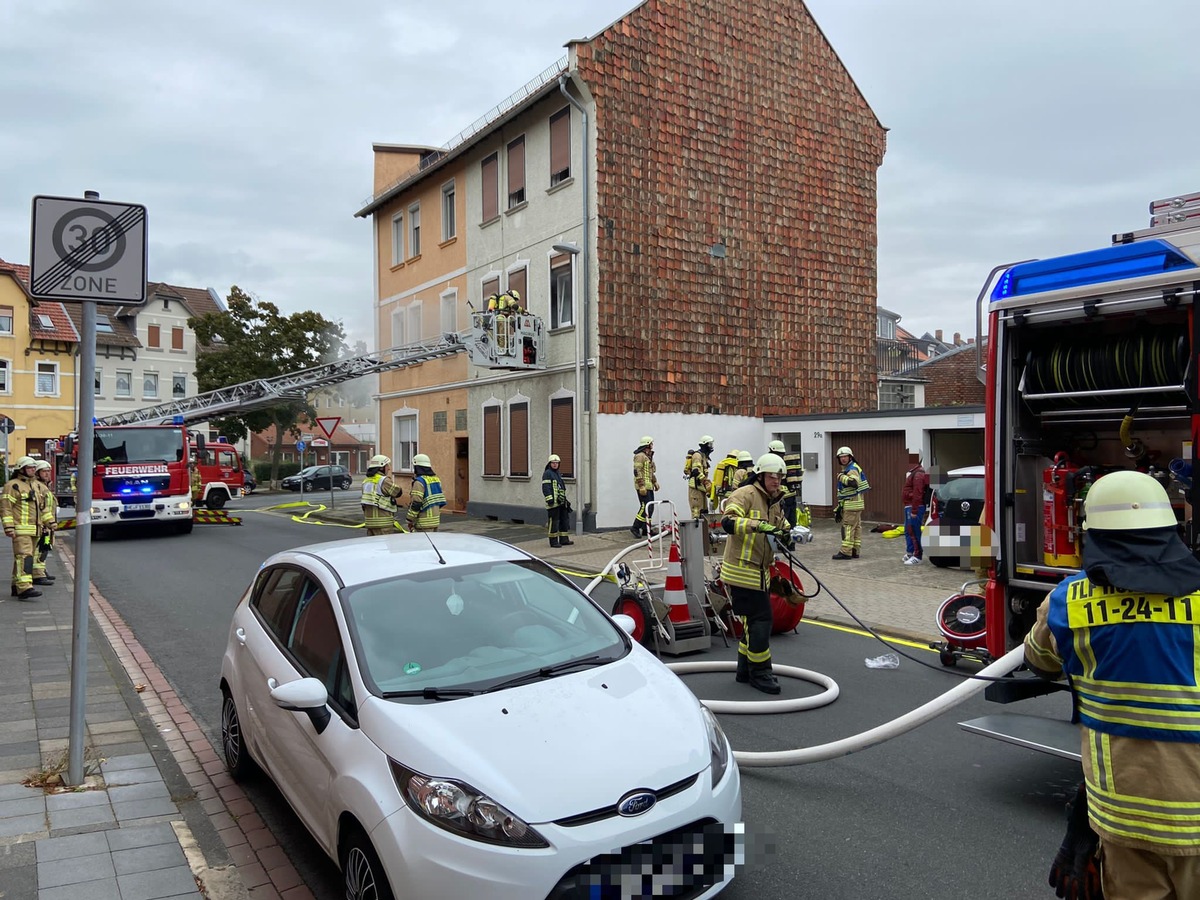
898, 357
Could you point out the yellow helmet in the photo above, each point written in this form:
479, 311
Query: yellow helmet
422, 460
770, 464
1127, 501
515, 294
706, 439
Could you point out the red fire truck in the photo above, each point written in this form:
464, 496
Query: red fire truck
1091, 367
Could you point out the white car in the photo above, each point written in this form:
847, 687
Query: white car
452, 718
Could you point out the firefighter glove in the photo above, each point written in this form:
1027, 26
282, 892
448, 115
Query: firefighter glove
767, 528
784, 539
838, 513
1075, 872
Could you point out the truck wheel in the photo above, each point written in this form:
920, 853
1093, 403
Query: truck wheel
216, 500
184, 527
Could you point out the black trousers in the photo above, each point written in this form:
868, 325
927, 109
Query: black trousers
788, 507
558, 523
754, 609
640, 522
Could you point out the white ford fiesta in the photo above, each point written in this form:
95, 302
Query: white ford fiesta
451, 718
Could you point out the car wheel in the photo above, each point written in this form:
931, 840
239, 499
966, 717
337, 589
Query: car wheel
233, 743
361, 870
346, 484
942, 562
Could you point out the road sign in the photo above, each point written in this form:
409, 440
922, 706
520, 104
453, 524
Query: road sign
329, 425
320, 442
88, 250
300, 446
7, 425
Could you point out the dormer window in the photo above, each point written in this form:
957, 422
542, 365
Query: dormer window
103, 324
44, 321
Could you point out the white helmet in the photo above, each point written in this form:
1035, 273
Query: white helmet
706, 439
40, 464
744, 456
646, 441
26, 461
379, 461
553, 458
776, 447
422, 460
771, 464
1127, 501
844, 451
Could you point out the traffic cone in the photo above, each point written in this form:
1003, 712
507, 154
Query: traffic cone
675, 593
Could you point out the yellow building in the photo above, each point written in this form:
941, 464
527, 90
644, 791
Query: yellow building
38, 365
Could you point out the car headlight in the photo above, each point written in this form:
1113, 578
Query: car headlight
718, 746
462, 810
183, 504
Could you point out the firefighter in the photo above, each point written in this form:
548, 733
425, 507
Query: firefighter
698, 480
792, 479
852, 486
742, 472
1124, 632
722, 481
197, 484
558, 507
379, 494
19, 511
645, 482
751, 516
47, 521
425, 497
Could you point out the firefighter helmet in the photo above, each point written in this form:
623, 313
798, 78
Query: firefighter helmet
706, 439
745, 456
845, 451
646, 441
422, 460
1127, 501
26, 461
553, 458
379, 461
776, 447
40, 464
770, 464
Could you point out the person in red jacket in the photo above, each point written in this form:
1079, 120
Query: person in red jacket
916, 486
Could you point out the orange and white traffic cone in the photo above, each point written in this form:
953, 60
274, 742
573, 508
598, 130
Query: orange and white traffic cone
675, 592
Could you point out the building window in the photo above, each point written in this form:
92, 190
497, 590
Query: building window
98, 383
124, 384
561, 284
491, 441
489, 173
460, 420
103, 324
439, 420
178, 386
518, 439
562, 434
491, 287
397, 239
449, 223
153, 336
886, 326
5, 387
449, 312
176, 338
150, 385
517, 281
413, 326
398, 328
47, 379
406, 442
560, 146
414, 230
6, 320
516, 172
897, 396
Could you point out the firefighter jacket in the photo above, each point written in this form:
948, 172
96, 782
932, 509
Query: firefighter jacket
644, 478
47, 507
380, 491
698, 472
425, 502
553, 488
794, 474
1131, 658
852, 486
748, 552
740, 474
20, 507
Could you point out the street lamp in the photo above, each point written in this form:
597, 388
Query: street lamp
577, 419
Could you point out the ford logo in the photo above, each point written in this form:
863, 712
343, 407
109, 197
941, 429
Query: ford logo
636, 803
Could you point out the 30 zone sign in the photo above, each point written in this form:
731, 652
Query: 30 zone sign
88, 250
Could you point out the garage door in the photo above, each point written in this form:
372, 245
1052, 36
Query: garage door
884, 458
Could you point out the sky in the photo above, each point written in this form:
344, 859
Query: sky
1016, 130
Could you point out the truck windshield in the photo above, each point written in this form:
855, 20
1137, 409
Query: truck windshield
128, 445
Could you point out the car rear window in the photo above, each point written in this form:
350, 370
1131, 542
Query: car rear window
968, 488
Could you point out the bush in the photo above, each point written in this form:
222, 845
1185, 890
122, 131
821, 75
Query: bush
262, 470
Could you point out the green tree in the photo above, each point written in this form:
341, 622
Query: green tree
253, 339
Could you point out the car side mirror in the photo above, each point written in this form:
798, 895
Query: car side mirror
626, 622
306, 695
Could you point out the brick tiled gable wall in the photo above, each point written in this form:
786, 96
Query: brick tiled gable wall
734, 124
952, 380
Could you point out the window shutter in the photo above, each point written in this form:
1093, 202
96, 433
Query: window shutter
518, 439
176, 338
560, 146
562, 434
516, 172
489, 170
152, 336
491, 441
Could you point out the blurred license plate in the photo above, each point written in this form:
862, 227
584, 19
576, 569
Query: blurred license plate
133, 506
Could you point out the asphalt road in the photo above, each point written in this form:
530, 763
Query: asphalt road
936, 813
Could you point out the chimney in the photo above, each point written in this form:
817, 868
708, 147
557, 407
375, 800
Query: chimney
970, 341
938, 334
957, 339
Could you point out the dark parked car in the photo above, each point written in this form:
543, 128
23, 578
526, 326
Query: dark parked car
954, 517
315, 478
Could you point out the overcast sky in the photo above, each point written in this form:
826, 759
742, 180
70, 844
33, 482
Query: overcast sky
1019, 129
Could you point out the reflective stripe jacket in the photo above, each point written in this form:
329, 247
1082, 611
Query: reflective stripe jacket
748, 553
795, 472
379, 493
19, 506
852, 484
47, 507
1134, 663
701, 482
553, 488
425, 502
644, 478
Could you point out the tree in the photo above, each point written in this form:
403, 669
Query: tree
253, 339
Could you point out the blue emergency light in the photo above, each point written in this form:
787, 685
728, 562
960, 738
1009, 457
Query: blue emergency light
177, 420
1114, 263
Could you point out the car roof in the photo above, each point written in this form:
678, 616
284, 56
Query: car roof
969, 471
363, 560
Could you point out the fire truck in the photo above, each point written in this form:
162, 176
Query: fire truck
1091, 367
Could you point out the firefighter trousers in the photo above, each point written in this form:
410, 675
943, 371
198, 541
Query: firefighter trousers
1128, 873
697, 501
754, 609
23, 549
640, 522
851, 531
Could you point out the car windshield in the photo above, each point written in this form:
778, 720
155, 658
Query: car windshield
961, 489
311, 470
475, 627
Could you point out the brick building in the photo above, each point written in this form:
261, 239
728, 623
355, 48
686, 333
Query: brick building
713, 167
951, 379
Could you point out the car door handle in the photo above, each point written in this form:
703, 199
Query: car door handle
272, 683
241, 636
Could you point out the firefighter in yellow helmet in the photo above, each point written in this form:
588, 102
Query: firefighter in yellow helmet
425, 497
379, 494
47, 521
751, 519
558, 507
20, 512
699, 483
852, 487
1124, 631
645, 482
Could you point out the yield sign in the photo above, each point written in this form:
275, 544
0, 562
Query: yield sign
329, 425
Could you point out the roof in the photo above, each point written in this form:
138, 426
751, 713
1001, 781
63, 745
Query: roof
201, 301
62, 328
122, 334
21, 272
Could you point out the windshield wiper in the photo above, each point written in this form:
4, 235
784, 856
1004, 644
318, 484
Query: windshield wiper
432, 693
585, 662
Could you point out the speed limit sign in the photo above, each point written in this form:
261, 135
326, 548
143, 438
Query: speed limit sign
88, 250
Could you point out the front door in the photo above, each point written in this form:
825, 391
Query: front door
462, 473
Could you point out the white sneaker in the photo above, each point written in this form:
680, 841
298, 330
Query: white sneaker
912, 561
906, 557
